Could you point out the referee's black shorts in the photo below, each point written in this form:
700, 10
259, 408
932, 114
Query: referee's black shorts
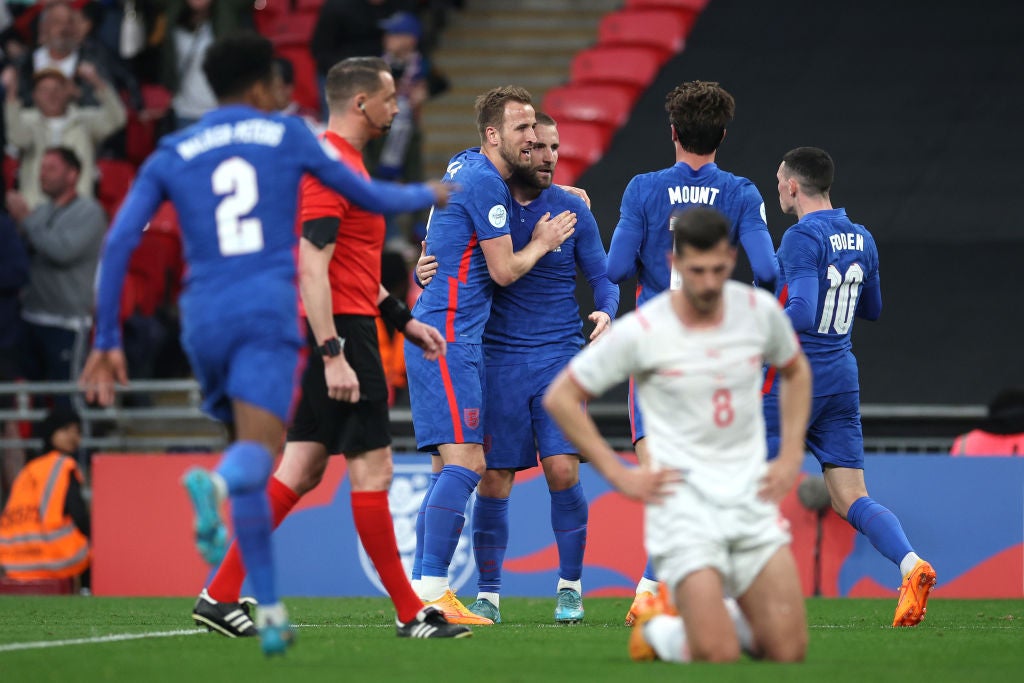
343, 427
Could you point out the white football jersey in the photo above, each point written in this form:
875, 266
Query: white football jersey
700, 388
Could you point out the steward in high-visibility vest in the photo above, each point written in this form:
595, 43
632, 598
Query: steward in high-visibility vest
44, 526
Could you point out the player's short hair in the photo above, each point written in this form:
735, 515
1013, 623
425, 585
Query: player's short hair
236, 62
700, 111
812, 167
67, 155
544, 119
701, 228
354, 75
490, 107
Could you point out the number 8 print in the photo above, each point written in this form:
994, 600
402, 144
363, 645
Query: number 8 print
722, 401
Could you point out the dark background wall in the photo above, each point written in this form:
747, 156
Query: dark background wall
921, 104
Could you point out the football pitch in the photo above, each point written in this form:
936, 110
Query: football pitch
148, 640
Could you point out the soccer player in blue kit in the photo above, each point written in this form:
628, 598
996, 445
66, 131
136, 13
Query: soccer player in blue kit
233, 178
533, 332
474, 249
828, 275
642, 241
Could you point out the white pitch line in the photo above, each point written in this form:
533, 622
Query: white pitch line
113, 638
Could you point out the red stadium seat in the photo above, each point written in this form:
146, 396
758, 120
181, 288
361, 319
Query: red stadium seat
569, 170
632, 67
115, 177
293, 29
140, 131
605, 105
11, 165
308, 5
583, 141
662, 30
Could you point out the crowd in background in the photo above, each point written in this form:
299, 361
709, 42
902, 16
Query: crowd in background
89, 87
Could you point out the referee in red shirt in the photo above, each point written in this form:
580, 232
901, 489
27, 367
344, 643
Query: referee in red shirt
343, 407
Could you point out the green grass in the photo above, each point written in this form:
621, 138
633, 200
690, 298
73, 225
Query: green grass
354, 640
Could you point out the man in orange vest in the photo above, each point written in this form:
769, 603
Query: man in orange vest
1002, 433
44, 528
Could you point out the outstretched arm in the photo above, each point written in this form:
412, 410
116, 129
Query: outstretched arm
106, 363
564, 401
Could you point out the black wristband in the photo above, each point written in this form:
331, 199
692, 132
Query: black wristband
395, 312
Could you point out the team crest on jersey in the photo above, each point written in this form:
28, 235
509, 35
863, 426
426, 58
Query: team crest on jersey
497, 215
408, 487
471, 417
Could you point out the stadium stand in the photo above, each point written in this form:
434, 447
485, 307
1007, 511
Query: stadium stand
630, 67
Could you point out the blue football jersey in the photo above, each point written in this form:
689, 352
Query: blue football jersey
642, 240
842, 259
458, 300
233, 178
537, 316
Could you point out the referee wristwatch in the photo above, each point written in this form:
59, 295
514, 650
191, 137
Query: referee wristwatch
332, 348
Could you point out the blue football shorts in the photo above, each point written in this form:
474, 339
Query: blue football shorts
518, 427
446, 395
254, 360
834, 433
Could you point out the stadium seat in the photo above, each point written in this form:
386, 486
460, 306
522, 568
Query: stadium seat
11, 165
293, 29
569, 170
308, 5
115, 177
661, 30
140, 131
583, 141
605, 105
632, 67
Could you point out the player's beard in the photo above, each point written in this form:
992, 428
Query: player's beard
512, 156
531, 177
705, 302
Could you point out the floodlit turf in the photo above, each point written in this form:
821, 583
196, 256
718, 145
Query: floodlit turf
354, 640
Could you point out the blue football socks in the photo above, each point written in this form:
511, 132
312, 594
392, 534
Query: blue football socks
421, 525
245, 468
881, 527
445, 517
490, 541
569, 513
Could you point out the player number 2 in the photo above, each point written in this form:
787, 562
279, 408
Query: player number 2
841, 299
235, 179
722, 402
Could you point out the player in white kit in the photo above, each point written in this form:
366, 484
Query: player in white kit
713, 528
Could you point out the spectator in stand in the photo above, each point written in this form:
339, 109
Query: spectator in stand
62, 28
1002, 433
114, 68
284, 90
399, 155
192, 27
56, 122
350, 28
45, 525
14, 266
64, 234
